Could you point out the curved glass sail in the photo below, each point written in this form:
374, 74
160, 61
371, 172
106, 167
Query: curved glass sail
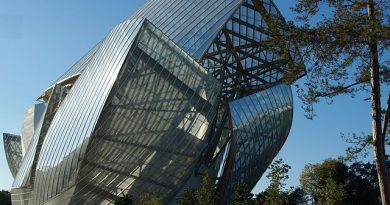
32, 116
13, 152
261, 123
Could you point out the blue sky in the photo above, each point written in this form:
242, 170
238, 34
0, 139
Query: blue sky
39, 40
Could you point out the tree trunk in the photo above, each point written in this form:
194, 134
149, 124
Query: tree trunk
377, 138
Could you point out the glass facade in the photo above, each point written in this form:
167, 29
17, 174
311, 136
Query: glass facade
261, 123
177, 90
13, 151
25, 177
31, 120
165, 102
72, 126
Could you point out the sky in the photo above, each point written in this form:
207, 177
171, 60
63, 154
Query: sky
41, 39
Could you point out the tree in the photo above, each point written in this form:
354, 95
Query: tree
187, 197
148, 199
242, 195
346, 53
5, 197
331, 193
325, 183
145, 198
362, 184
275, 192
124, 200
203, 195
296, 196
334, 182
359, 146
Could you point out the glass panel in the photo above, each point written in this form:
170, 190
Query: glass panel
13, 152
153, 125
261, 122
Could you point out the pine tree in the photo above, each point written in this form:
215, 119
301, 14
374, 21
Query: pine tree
346, 51
276, 195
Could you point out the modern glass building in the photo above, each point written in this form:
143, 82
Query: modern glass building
178, 90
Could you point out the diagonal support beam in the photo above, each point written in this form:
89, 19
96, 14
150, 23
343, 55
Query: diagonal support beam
235, 55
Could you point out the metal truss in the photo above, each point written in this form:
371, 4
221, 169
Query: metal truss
245, 55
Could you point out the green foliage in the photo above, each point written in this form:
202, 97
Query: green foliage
242, 195
363, 185
296, 196
148, 199
187, 197
276, 195
334, 37
5, 197
346, 51
359, 145
124, 200
333, 182
278, 175
325, 183
144, 199
204, 195
331, 193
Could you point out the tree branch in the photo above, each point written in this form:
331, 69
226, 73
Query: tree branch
340, 89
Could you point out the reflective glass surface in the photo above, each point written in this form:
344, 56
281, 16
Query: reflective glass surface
79, 66
261, 123
77, 116
153, 126
25, 177
13, 151
32, 116
192, 25
178, 89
